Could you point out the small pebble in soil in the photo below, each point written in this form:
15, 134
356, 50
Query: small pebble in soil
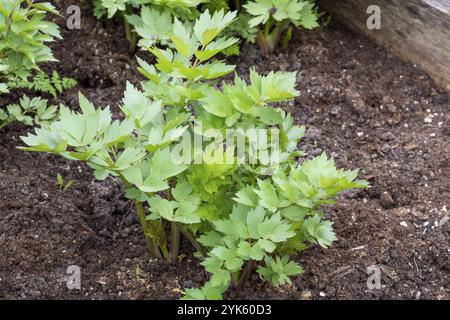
306, 295
322, 294
385, 148
317, 151
188, 284
404, 224
386, 200
335, 110
392, 108
441, 98
387, 136
334, 155
43, 196
443, 221
313, 134
418, 295
350, 194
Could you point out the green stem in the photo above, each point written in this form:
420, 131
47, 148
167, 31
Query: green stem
237, 5
152, 248
261, 40
174, 241
156, 250
194, 242
276, 34
4, 124
130, 35
268, 39
234, 280
127, 28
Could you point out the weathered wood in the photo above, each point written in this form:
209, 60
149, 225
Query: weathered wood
416, 30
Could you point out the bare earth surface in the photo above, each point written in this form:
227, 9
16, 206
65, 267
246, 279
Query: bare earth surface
361, 105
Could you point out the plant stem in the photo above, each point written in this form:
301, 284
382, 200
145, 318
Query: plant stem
246, 273
130, 35
5, 123
127, 28
152, 248
261, 40
149, 232
268, 39
174, 241
194, 242
237, 5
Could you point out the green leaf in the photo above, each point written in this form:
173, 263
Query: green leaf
182, 191
153, 25
244, 248
216, 103
319, 231
254, 219
128, 157
163, 166
139, 108
211, 239
274, 229
279, 270
267, 194
267, 245
182, 40
256, 252
208, 27
162, 207
214, 48
208, 292
230, 257
295, 213
246, 196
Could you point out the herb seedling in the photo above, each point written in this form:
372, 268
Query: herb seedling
62, 185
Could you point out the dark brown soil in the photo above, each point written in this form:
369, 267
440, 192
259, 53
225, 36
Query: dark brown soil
362, 105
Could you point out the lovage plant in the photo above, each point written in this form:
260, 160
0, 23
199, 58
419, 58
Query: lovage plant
151, 24
220, 164
28, 111
277, 18
24, 33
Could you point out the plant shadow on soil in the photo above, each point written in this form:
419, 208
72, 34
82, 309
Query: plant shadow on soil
360, 103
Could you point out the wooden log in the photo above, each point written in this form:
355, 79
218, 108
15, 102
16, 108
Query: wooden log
416, 30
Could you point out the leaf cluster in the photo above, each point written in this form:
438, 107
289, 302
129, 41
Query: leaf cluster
28, 111
239, 213
25, 34
276, 19
42, 82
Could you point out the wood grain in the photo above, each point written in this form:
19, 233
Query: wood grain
416, 30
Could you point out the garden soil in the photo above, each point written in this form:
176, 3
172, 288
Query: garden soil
360, 104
